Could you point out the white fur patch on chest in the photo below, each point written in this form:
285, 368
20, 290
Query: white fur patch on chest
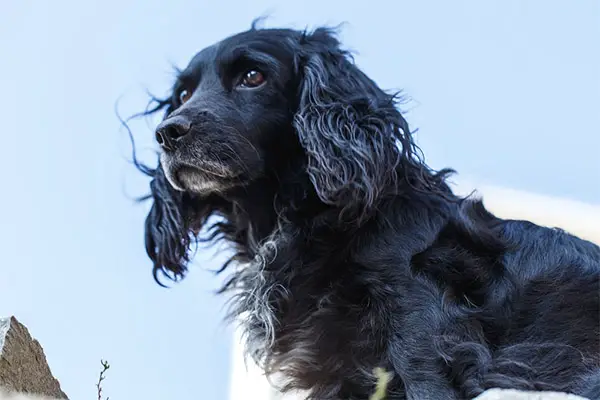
255, 290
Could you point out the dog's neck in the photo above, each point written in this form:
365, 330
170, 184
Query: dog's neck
262, 206
261, 211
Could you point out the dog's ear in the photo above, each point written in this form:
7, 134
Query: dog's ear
172, 224
352, 133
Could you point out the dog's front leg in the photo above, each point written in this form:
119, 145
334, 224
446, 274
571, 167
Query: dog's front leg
422, 385
413, 352
420, 369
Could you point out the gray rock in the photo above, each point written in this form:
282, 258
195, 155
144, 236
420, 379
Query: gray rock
23, 365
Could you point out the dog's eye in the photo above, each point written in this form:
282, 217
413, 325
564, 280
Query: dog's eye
184, 95
252, 79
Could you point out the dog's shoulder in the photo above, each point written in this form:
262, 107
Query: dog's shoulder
533, 244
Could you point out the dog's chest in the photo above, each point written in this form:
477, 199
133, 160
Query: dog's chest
328, 331
319, 323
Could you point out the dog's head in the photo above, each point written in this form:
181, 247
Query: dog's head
230, 108
246, 105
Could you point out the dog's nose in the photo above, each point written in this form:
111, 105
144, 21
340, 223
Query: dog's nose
170, 130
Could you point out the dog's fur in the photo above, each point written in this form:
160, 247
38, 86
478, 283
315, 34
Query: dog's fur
350, 252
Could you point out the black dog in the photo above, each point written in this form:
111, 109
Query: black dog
350, 252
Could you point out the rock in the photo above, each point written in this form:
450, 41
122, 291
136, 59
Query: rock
23, 366
510, 394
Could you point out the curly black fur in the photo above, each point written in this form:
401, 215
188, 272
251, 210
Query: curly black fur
350, 252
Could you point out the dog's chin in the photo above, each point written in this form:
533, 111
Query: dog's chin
188, 178
192, 180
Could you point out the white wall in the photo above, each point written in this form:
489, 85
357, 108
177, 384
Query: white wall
577, 217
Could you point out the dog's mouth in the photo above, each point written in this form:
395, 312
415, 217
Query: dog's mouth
202, 178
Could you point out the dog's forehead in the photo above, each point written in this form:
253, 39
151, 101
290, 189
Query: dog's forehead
203, 58
266, 40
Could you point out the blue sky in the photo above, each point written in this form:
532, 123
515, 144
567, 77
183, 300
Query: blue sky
504, 91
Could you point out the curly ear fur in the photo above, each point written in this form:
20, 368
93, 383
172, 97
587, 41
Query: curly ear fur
169, 228
353, 135
173, 225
